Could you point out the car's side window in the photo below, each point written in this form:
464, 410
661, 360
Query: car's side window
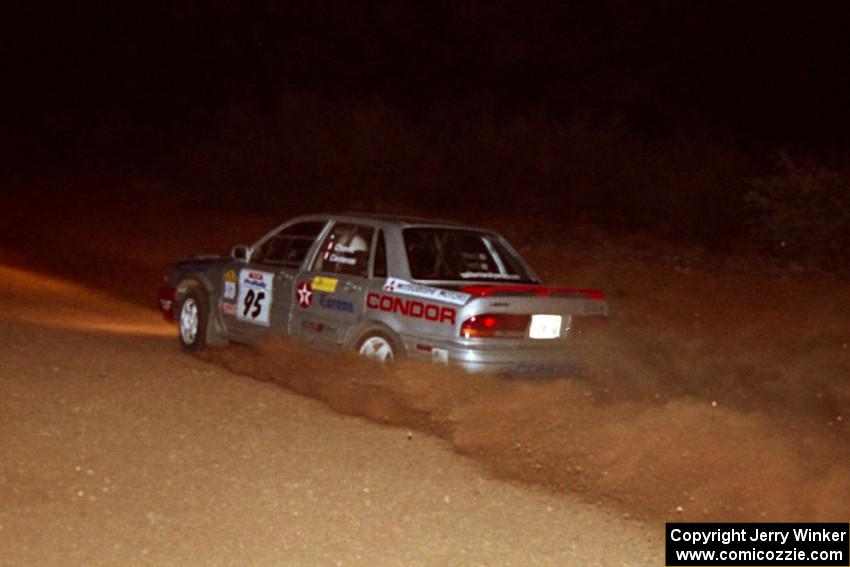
345, 250
289, 247
379, 270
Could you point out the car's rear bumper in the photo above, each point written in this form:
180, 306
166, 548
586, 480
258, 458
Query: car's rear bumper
516, 362
509, 359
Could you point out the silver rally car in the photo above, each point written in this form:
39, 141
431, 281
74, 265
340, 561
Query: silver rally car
385, 286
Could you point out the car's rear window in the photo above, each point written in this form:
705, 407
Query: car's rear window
460, 255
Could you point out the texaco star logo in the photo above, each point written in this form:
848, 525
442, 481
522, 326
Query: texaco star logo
304, 294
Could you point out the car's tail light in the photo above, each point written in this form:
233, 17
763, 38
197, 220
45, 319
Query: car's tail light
495, 325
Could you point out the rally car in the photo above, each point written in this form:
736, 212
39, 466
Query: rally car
386, 287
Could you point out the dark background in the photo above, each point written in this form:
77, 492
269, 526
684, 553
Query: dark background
720, 123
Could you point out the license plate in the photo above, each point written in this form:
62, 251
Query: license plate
545, 327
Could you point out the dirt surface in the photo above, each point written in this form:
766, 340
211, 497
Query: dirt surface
715, 419
718, 392
118, 449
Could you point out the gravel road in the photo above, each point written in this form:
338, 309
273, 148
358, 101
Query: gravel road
118, 449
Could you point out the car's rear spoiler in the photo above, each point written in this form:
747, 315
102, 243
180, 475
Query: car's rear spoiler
538, 290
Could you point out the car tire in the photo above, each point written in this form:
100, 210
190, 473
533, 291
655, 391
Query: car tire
192, 319
379, 346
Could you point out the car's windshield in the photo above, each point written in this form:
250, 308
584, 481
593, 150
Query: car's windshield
461, 255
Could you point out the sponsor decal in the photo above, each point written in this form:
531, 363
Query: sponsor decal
229, 290
304, 294
227, 308
488, 276
255, 297
328, 302
411, 308
336, 252
321, 283
438, 355
256, 279
337, 259
230, 284
343, 249
404, 287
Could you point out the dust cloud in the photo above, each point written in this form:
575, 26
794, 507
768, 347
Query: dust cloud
642, 425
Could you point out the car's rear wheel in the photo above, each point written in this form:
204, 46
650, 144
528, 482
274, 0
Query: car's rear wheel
193, 319
378, 346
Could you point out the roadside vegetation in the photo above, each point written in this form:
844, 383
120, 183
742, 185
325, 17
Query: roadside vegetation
678, 194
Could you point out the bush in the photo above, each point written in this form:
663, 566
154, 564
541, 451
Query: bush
801, 212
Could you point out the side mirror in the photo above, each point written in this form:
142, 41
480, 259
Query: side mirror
240, 253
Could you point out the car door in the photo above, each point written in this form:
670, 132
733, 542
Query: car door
258, 295
331, 293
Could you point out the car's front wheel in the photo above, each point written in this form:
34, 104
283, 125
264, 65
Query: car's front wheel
192, 320
378, 346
